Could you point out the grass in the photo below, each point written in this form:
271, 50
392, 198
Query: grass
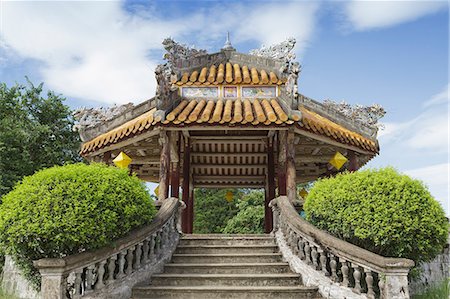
439, 291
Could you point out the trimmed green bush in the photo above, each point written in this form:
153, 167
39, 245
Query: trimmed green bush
65, 210
381, 210
250, 218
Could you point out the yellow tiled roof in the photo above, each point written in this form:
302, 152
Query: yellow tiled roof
133, 126
229, 74
323, 126
231, 112
254, 112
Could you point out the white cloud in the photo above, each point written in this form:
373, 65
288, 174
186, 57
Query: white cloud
427, 131
436, 177
97, 51
364, 15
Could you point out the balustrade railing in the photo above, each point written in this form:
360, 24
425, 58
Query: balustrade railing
345, 265
121, 265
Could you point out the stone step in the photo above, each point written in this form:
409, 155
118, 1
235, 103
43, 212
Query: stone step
238, 268
209, 292
227, 240
286, 279
192, 249
226, 258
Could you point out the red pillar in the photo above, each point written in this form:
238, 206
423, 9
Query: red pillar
270, 192
353, 162
191, 212
282, 151
186, 184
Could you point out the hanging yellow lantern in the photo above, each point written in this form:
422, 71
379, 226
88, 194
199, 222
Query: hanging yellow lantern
338, 160
122, 160
303, 193
156, 191
229, 196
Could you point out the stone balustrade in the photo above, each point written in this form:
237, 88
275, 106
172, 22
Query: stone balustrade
112, 271
340, 269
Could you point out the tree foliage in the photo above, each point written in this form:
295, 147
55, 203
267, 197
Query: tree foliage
212, 211
250, 218
65, 210
381, 210
35, 132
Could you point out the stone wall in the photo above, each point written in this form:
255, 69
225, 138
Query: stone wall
14, 283
433, 273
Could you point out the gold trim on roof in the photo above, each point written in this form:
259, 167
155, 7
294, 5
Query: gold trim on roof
323, 126
229, 74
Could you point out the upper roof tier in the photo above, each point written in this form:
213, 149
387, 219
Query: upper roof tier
229, 74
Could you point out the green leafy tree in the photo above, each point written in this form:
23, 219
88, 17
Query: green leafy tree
212, 211
381, 210
35, 133
250, 218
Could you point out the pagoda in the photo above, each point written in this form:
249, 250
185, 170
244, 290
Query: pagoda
231, 120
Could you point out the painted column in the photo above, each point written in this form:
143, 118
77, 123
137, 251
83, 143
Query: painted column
186, 183
291, 186
174, 158
282, 163
270, 187
164, 166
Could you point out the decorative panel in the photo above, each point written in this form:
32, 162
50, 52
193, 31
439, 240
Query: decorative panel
200, 92
230, 92
259, 92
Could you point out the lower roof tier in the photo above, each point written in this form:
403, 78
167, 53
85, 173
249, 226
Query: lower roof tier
236, 113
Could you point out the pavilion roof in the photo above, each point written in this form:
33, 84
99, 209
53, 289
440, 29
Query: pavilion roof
237, 112
229, 73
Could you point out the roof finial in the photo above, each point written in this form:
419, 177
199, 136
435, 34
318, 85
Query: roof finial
228, 45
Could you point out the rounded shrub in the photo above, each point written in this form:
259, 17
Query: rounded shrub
381, 210
65, 210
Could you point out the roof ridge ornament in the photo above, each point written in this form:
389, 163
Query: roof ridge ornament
281, 51
228, 45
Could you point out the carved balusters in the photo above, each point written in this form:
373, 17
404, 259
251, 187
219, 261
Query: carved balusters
121, 273
129, 269
301, 247
137, 261
314, 255
145, 249
357, 277
77, 285
111, 268
381, 285
152, 248
89, 278
333, 267
344, 269
100, 273
369, 283
323, 262
308, 253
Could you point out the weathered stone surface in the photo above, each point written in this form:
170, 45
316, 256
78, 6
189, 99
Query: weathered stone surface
14, 283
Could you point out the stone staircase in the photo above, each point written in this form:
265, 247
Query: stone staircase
226, 266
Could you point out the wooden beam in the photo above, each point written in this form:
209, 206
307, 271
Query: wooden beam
333, 142
122, 144
228, 177
227, 138
228, 185
229, 166
246, 155
214, 142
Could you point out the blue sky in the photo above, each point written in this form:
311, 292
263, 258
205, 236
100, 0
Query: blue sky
391, 53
